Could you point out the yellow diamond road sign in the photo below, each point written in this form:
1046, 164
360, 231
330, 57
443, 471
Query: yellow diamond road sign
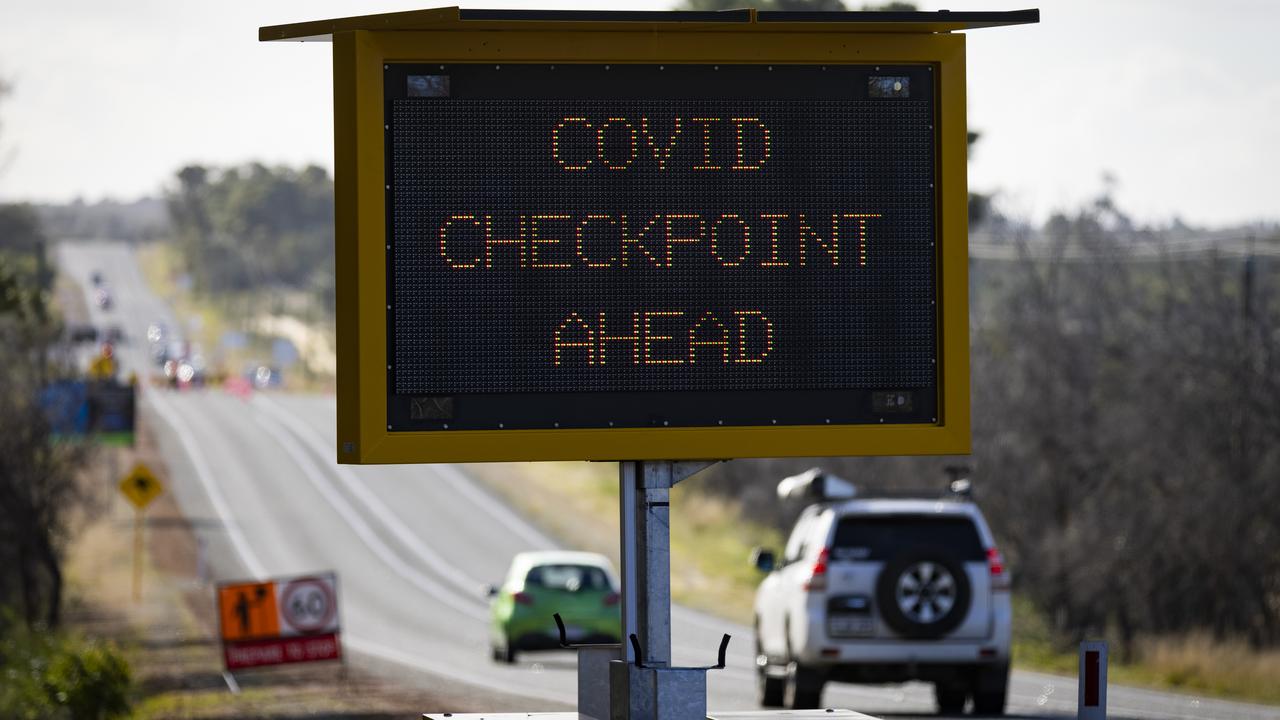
140, 486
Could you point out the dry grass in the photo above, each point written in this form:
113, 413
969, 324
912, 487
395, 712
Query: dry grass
1191, 663
1199, 662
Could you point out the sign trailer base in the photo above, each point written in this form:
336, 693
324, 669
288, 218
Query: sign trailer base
829, 714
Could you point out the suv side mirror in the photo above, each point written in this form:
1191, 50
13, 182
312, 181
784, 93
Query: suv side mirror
763, 559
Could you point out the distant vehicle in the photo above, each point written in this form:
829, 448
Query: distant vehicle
156, 333
158, 336
189, 375
82, 334
102, 298
95, 277
183, 371
581, 586
883, 590
172, 349
263, 377
114, 335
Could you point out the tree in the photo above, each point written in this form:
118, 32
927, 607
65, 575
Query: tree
38, 490
37, 476
254, 227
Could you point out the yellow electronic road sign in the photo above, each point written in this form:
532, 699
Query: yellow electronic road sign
140, 486
629, 236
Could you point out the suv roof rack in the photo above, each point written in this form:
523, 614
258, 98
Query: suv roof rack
955, 491
816, 485
819, 486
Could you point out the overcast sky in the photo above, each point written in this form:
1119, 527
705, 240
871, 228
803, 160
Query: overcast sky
1178, 99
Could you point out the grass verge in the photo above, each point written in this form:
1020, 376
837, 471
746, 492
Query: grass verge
1190, 663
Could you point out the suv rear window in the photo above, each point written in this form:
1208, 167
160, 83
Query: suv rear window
880, 537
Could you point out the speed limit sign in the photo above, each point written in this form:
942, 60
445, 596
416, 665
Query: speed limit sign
309, 605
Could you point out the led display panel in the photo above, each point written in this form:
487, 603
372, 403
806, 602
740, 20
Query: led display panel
635, 245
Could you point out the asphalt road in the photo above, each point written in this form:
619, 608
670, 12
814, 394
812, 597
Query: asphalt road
413, 546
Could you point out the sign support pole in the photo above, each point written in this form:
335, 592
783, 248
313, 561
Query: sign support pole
627, 472
138, 547
645, 546
646, 558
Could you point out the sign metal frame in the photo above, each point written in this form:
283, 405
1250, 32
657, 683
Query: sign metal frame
359, 60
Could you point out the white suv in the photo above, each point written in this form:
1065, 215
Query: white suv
883, 590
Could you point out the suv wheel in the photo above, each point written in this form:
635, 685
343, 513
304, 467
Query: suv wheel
803, 689
991, 690
770, 688
923, 593
951, 698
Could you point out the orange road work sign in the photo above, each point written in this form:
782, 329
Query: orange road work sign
248, 610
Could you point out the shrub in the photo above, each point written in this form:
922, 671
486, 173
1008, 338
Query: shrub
47, 675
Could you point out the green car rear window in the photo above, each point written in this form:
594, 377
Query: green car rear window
882, 537
572, 578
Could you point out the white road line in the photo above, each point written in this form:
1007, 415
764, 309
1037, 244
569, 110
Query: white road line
242, 548
315, 476
465, 487
461, 483
451, 672
372, 502
500, 512
201, 465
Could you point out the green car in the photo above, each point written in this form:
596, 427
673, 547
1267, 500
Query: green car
581, 586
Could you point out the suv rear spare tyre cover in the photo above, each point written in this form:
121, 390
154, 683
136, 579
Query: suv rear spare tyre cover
923, 593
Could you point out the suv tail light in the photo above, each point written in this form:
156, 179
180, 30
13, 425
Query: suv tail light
611, 599
999, 573
522, 598
818, 575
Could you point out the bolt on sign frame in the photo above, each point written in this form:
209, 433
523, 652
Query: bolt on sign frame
457, 344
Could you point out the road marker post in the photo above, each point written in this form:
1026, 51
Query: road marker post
140, 487
1093, 681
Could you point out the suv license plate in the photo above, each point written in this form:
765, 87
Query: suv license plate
851, 625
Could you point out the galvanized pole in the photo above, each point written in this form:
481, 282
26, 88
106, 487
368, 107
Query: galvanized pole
139, 547
627, 472
653, 557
